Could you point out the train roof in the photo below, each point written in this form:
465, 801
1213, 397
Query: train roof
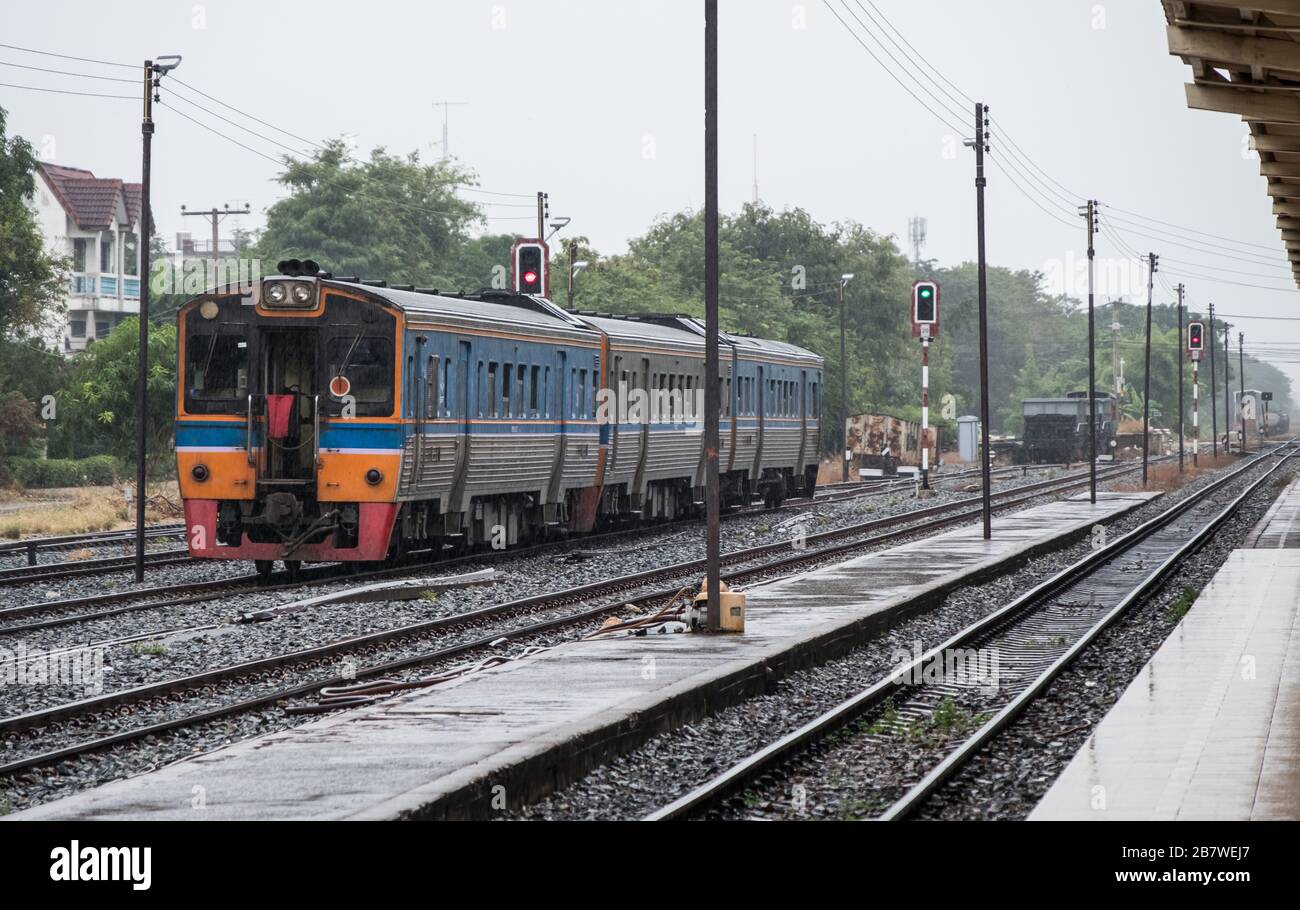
526, 312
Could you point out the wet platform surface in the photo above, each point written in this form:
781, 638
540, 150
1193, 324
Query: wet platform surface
523, 726
1280, 527
1210, 729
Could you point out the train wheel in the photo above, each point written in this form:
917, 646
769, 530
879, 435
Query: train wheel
263, 567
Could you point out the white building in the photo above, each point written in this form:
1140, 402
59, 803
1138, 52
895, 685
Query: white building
95, 222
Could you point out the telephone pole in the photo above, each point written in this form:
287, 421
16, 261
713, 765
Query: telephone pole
543, 209
1152, 259
216, 216
980, 143
1214, 394
1241, 378
1090, 213
1181, 435
1227, 394
713, 544
154, 70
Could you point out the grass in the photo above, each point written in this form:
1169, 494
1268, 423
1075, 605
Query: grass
430, 596
149, 648
947, 721
1183, 602
5, 806
85, 509
1166, 477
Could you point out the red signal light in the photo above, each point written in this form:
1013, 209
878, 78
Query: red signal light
530, 277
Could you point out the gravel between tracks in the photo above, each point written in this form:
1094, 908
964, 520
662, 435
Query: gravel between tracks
863, 784
129, 665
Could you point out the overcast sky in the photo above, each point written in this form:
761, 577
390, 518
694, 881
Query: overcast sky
601, 105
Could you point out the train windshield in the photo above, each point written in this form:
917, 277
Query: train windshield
216, 368
366, 363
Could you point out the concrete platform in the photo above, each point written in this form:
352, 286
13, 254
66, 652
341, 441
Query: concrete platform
1280, 526
511, 734
1210, 730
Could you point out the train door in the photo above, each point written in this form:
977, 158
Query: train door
803, 422
415, 406
562, 405
462, 393
760, 409
610, 426
289, 372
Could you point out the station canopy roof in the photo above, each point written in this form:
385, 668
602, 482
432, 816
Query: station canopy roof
1245, 60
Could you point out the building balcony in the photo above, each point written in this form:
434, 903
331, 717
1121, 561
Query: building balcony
94, 284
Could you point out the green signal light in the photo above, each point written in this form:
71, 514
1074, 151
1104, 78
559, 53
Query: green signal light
925, 292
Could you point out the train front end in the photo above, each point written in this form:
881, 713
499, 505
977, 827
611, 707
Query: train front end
288, 439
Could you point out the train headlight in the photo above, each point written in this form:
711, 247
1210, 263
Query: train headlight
302, 294
199, 472
276, 293
374, 477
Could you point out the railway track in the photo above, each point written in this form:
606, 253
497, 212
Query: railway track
115, 603
1034, 638
609, 597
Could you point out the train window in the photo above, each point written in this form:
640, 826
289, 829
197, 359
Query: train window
216, 370
492, 389
479, 394
726, 398
521, 380
367, 363
582, 393
816, 405
532, 390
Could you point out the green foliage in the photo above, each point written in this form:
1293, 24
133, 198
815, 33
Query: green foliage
31, 281
40, 473
100, 401
387, 217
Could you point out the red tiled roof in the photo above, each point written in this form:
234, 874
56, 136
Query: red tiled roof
91, 200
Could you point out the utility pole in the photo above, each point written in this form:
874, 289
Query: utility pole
1090, 213
572, 246
1116, 367
1227, 395
216, 215
980, 142
543, 209
446, 136
713, 545
1214, 394
1181, 435
1146, 378
1241, 378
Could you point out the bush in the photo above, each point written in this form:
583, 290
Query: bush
97, 470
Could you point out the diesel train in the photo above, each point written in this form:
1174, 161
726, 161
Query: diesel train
323, 419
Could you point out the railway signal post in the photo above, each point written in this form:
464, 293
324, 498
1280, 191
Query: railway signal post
1195, 348
925, 325
1181, 434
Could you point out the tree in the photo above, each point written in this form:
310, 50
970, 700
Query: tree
388, 217
32, 282
101, 397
